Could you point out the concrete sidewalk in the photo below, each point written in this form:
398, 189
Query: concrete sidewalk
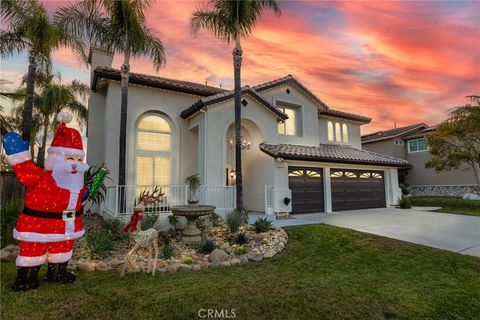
453, 232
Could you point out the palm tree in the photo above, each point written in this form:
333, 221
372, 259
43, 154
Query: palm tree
57, 97
51, 97
230, 20
29, 29
120, 27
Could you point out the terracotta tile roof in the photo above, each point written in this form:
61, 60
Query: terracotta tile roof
330, 153
204, 102
324, 108
345, 115
392, 133
156, 82
289, 79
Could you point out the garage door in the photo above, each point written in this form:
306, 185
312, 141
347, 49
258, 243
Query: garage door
307, 189
357, 189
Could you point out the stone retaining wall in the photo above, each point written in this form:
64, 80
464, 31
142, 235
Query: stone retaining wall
442, 191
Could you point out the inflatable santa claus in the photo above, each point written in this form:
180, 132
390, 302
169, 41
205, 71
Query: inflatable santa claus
51, 218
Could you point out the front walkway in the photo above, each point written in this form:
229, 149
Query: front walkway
453, 232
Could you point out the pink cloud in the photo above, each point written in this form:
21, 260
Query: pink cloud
400, 62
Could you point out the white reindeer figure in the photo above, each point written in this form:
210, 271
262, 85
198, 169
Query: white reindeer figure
143, 239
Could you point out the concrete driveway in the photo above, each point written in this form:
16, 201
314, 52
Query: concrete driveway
453, 232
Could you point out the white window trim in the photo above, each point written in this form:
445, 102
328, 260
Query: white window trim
408, 144
296, 110
152, 153
335, 141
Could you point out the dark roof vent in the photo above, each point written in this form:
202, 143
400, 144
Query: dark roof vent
287, 91
244, 102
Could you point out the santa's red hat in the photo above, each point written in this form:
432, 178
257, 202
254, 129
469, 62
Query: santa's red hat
67, 141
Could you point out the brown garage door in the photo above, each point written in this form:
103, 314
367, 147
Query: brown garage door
307, 189
357, 189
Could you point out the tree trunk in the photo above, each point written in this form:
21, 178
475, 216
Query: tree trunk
43, 147
28, 106
476, 170
125, 73
237, 64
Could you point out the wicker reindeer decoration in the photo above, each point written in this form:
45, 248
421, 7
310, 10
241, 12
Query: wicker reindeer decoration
143, 238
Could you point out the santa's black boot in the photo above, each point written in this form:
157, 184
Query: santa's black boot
27, 278
57, 272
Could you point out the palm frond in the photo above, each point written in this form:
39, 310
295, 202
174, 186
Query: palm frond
12, 42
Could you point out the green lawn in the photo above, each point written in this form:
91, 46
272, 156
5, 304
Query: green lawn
449, 204
325, 273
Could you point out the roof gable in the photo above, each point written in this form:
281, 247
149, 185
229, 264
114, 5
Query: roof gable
293, 81
392, 133
224, 96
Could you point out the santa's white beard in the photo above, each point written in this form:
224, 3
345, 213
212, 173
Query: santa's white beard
63, 176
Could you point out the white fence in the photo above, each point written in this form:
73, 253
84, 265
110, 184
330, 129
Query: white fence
121, 200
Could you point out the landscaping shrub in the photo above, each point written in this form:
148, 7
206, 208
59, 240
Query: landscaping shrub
242, 250
97, 244
148, 220
114, 228
168, 251
241, 238
234, 220
215, 219
187, 260
173, 220
405, 203
207, 246
8, 217
262, 224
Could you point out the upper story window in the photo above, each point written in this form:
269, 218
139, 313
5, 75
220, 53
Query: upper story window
417, 145
153, 151
289, 126
337, 132
398, 142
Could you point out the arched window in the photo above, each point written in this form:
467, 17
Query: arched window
338, 132
330, 131
153, 151
345, 133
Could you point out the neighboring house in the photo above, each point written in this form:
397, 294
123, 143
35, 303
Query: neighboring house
294, 146
410, 143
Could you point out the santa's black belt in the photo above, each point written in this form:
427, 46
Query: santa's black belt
67, 214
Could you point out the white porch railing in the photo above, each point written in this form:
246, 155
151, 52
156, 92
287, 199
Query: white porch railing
223, 197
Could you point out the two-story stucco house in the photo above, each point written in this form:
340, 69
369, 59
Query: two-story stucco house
294, 145
410, 143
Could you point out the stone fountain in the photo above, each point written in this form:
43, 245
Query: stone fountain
191, 234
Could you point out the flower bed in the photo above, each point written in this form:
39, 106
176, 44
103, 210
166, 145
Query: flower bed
219, 247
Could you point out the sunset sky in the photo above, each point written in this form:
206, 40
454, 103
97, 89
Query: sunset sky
402, 62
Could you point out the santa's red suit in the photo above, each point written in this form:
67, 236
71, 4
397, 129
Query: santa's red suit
50, 220
46, 239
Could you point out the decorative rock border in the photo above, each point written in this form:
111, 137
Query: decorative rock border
442, 191
259, 246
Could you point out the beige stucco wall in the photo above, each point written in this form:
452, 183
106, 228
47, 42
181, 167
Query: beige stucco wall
419, 175
307, 131
141, 100
257, 166
354, 134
